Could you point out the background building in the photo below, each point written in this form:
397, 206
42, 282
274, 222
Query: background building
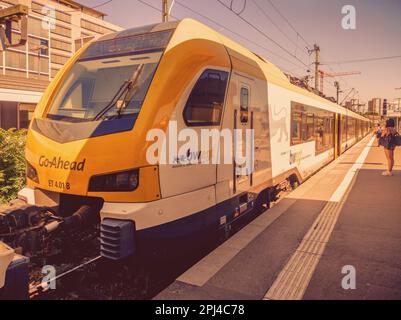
56, 28
355, 105
375, 106
397, 104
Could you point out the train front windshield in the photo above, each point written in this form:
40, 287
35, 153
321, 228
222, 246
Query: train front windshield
104, 88
103, 92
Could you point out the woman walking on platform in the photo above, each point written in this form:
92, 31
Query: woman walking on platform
388, 141
378, 133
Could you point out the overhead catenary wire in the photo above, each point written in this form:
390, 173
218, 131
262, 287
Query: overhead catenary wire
348, 86
289, 23
363, 60
155, 8
300, 36
263, 34
291, 71
221, 26
297, 32
231, 31
243, 7
237, 34
101, 4
263, 11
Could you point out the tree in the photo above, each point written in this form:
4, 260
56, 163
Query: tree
12, 163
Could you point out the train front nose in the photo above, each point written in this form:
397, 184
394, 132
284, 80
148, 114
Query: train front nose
57, 168
103, 167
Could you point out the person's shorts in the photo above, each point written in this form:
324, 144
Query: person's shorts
390, 148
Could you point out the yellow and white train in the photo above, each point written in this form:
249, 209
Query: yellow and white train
87, 143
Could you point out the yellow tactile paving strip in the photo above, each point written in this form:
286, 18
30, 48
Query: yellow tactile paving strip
293, 280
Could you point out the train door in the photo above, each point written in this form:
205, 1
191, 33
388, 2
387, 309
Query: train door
192, 150
243, 136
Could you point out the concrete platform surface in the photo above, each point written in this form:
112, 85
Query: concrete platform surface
337, 236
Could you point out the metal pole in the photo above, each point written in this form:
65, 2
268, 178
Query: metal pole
316, 49
38, 63
337, 85
165, 11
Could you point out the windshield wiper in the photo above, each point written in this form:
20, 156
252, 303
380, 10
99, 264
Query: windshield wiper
133, 88
126, 89
119, 93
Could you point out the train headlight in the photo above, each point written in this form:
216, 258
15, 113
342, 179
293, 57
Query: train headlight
31, 173
114, 182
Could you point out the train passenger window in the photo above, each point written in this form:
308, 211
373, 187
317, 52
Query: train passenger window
319, 134
296, 126
310, 122
302, 123
244, 104
205, 103
350, 128
343, 129
328, 140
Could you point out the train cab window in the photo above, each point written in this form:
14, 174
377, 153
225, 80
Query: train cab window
104, 88
77, 98
244, 105
205, 103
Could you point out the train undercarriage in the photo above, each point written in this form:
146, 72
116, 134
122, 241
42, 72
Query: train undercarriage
28, 231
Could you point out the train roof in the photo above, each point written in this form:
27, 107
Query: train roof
190, 29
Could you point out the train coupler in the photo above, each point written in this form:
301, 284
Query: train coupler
26, 231
27, 228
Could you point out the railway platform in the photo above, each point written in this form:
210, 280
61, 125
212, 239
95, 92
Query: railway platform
337, 236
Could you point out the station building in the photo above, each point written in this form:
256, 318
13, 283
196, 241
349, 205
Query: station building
56, 29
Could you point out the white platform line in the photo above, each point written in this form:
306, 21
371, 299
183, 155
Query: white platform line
342, 188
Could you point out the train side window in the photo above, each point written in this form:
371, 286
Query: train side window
319, 134
350, 128
205, 103
244, 105
343, 129
328, 132
310, 126
296, 126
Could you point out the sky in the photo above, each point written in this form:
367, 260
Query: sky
261, 29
